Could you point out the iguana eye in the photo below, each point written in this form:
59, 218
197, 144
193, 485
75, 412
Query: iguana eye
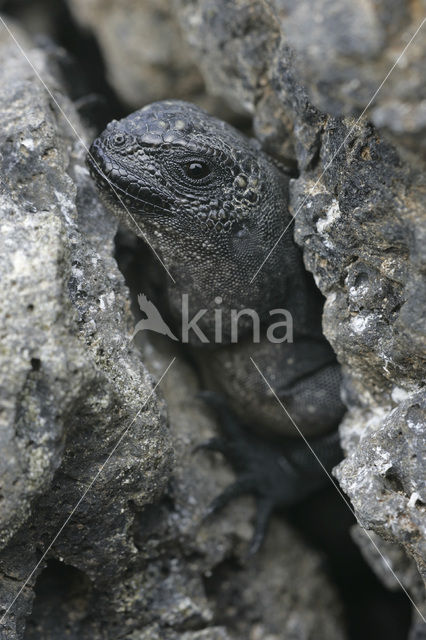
197, 170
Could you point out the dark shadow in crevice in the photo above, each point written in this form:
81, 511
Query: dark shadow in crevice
372, 612
80, 63
62, 606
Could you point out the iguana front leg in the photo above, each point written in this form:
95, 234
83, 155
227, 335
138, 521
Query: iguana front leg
278, 474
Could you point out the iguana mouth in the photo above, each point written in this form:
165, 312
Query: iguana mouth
121, 187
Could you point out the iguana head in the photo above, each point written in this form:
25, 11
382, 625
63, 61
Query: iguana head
206, 197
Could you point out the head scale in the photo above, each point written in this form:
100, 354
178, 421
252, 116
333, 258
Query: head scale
205, 196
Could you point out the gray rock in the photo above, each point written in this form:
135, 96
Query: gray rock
360, 220
145, 55
390, 562
156, 633
70, 380
360, 224
342, 51
135, 560
418, 630
389, 464
359, 216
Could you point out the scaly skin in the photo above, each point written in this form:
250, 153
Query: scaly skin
212, 204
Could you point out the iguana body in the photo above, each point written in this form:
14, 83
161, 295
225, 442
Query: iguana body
213, 204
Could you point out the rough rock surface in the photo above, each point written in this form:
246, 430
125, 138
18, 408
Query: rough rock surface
70, 382
390, 562
135, 560
145, 55
342, 51
360, 218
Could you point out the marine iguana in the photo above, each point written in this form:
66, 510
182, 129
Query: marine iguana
212, 204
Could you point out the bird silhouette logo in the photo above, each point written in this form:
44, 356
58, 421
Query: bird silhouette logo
153, 320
